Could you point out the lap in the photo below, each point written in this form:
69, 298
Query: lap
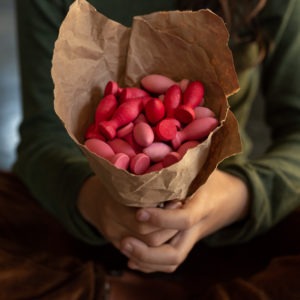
40, 260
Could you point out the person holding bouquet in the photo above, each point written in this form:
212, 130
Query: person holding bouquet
242, 200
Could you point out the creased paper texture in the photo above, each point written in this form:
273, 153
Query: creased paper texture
91, 50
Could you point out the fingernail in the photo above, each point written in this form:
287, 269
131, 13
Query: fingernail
143, 215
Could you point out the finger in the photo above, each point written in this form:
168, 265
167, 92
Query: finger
149, 234
141, 253
151, 268
165, 258
174, 204
158, 237
172, 253
148, 228
179, 219
139, 229
126, 217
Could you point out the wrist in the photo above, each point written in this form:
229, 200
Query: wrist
225, 200
86, 204
240, 195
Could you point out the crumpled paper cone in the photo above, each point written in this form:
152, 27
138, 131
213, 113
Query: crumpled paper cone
91, 50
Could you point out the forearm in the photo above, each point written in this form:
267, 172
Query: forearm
48, 161
274, 178
274, 183
53, 169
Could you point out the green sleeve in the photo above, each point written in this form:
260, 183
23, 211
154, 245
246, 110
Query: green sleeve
274, 177
48, 162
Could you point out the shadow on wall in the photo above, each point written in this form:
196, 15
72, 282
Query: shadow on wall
10, 108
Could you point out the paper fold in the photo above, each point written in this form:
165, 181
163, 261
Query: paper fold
92, 50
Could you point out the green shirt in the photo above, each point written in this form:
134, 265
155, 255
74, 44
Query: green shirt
53, 168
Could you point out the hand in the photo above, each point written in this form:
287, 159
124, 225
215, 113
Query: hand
114, 220
222, 200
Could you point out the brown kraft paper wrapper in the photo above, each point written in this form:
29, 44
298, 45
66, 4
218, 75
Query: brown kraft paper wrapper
92, 49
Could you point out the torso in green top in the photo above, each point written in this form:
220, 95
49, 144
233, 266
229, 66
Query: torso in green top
131, 8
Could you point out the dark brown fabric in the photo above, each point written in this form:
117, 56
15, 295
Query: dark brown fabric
39, 260
280, 281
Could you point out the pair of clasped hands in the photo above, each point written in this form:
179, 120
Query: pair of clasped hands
160, 239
